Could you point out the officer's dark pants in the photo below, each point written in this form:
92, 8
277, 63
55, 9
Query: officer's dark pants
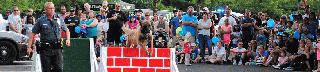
51, 60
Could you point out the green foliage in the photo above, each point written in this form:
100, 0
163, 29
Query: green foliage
275, 7
36, 5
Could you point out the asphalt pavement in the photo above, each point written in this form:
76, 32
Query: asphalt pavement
17, 66
225, 68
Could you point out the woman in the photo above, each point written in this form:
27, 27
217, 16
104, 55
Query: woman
91, 26
155, 22
204, 35
29, 25
132, 29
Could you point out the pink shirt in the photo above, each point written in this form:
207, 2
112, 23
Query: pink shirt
282, 60
226, 37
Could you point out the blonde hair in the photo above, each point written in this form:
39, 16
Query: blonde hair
47, 4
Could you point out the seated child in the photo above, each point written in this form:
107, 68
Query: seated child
195, 57
282, 60
218, 54
187, 49
179, 51
237, 54
261, 55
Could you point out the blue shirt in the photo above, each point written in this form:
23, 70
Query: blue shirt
188, 28
175, 24
92, 31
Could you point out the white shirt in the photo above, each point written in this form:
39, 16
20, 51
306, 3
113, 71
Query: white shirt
238, 50
219, 51
232, 21
103, 25
1, 17
205, 24
15, 21
3, 24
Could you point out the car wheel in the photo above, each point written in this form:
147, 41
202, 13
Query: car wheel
8, 52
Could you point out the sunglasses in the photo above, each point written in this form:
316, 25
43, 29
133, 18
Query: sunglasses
15, 10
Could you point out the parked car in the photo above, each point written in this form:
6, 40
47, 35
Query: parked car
13, 47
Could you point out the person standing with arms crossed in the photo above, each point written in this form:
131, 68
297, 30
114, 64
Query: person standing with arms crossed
49, 27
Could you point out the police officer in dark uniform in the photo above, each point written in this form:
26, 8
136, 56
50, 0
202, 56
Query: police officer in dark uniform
49, 27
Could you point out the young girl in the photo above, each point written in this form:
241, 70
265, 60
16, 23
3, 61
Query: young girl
236, 36
318, 55
82, 29
226, 31
132, 29
282, 60
187, 49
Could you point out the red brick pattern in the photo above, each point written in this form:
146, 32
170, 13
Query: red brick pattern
163, 70
114, 69
163, 52
137, 60
130, 69
140, 62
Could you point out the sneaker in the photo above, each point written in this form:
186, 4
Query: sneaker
288, 68
276, 66
234, 62
240, 62
188, 64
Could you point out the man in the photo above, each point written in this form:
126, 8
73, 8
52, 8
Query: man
63, 12
247, 24
63, 15
50, 27
7, 14
116, 19
139, 13
189, 23
146, 24
72, 21
232, 20
162, 26
15, 21
175, 23
313, 25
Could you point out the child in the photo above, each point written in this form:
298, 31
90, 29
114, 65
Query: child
261, 38
226, 31
195, 57
236, 36
261, 55
318, 55
282, 60
179, 51
237, 54
218, 54
187, 49
82, 28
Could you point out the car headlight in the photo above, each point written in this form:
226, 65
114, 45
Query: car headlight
23, 39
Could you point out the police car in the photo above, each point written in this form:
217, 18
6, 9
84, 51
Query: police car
13, 47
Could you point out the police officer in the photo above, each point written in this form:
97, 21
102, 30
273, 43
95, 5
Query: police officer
49, 26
